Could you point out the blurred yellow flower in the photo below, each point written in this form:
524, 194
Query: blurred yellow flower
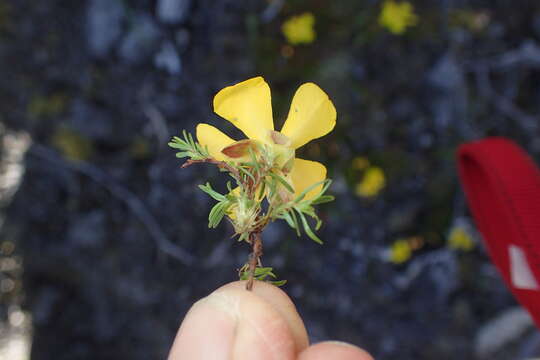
397, 16
400, 251
299, 29
247, 105
72, 145
372, 182
460, 239
360, 163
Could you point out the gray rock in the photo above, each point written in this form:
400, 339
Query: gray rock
449, 101
168, 59
103, 25
141, 41
446, 75
508, 326
172, 11
528, 54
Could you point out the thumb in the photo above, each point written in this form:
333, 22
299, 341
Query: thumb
232, 323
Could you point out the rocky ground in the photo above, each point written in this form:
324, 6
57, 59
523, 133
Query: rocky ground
104, 243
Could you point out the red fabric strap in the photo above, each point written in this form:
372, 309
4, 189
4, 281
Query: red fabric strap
502, 185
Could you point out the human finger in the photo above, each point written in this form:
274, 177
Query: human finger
232, 323
334, 350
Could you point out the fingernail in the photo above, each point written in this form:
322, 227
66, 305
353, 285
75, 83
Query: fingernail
342, 343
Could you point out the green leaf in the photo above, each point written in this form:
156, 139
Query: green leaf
189, 148
207, 188
216, 214
295, 220
246, 172
254, 159
243, 237
282, 181
175, 145
182, 154
327, 183
308, 230
271, 184
322, 199
287, 217
278, 282
264, 271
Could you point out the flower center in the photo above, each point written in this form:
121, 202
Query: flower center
282, 151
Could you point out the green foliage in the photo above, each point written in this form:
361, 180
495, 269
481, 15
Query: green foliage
188, 147
299, 208
262, 274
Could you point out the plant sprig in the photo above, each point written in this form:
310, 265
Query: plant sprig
188, 147
264, 193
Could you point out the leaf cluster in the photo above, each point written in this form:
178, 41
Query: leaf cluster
188, 147
220, 209
262, 274
296, 211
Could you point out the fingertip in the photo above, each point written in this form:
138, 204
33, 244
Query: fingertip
232, 321
281, 302
204, 324
334, 350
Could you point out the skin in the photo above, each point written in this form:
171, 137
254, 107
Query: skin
234, 324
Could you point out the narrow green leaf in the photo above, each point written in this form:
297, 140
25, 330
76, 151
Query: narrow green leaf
214, 194
308, 230
318, 224
216, 214
263, 271
254, 159
246, 172
287, 217
176, 145
282, 181
323, 199
295, 220
309, 188
271, 184
243, 237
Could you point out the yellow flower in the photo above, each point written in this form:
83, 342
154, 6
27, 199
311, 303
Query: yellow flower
400, 251
247, 105
299, 29
360, 163
460, 239
72, 145
396, 17
372, 182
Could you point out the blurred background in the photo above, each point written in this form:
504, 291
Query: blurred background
103, 240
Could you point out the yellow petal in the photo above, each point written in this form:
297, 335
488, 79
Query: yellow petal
311, 116
214, 140
306, 173
248, 106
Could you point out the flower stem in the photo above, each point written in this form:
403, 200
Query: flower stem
254, 258
220, 164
